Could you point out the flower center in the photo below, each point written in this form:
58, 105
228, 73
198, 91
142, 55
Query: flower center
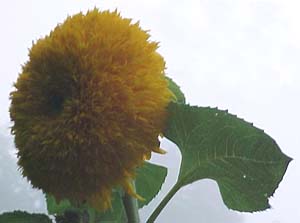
55, 102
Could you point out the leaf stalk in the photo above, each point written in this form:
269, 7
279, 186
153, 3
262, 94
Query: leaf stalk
163, 203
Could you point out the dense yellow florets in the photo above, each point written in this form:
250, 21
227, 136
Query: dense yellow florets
89, 106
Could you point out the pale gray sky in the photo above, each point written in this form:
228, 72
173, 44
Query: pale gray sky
237, 55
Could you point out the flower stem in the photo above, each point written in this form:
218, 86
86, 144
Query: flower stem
85, 217
163, 203
131, 207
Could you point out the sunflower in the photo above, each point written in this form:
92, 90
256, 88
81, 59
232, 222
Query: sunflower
88, 107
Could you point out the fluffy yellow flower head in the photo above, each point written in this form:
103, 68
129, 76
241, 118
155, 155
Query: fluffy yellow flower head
88, 107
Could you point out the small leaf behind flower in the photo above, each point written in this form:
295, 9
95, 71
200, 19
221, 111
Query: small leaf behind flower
246, 163
116, 214
176, 91
58, 208
149, 180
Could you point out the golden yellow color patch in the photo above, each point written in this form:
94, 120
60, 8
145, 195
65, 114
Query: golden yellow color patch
88, 107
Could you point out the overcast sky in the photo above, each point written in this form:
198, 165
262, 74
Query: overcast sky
241, 55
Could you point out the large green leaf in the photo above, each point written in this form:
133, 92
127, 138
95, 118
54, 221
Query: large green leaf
23, 217
179, 96
149, 180
246, 163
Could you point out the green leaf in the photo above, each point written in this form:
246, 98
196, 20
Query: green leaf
149, 180
179, 96
246, 163
57, 208
23, 217
116, 214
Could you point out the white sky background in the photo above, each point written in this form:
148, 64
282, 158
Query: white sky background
241, 55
